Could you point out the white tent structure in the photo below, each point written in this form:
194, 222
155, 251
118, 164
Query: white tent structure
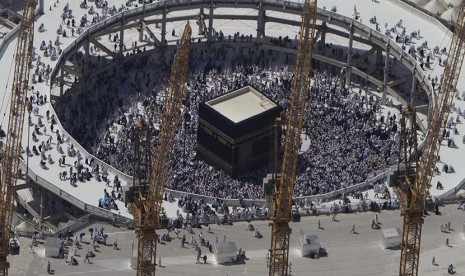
451, 14
455, 3
309, 245
225, 252
24, 227
391, 238
420, 3
435, 7
52, 247
461, 193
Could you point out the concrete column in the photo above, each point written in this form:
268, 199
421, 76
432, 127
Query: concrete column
42, 195
141, 30
86, 55
386, 71
261, 20
323, 33
323, 38
62, 79
349, 55
121, 35
414, 83
379, 56
87, 49
201, 22
41, 6
210, 21
163, 26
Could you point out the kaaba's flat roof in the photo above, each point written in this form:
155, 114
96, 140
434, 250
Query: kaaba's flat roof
241, 104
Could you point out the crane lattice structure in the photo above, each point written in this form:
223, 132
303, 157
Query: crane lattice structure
143, 154
413, 193
147, 210
10, 163
279, 252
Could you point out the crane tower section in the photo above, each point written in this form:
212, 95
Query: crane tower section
10, 163
413, 194
279, 252
147, 210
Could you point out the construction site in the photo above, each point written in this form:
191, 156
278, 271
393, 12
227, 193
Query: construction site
245, 137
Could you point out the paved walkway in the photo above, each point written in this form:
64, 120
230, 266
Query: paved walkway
349, 254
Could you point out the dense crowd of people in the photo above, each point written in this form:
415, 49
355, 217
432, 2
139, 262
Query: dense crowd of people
347, 138
348, 141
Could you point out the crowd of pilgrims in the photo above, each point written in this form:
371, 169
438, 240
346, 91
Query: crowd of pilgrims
350, 140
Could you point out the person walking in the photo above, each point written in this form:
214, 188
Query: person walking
31, 250
87, 256
48, 267
159, 261
353, 229
71, 260
204, 259
433, 261
319, 224
192, 240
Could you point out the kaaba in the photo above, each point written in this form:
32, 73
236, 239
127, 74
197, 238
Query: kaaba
236, 131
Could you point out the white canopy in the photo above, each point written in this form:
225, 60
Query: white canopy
451, 14
420, 3
455, 3
435, 6
24, 226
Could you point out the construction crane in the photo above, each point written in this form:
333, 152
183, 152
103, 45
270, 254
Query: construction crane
283, 189
413, 185
14, 135
147, 210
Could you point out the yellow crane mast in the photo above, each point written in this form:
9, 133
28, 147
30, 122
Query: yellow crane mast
413, 193
147, 210
10, 163
280, 233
